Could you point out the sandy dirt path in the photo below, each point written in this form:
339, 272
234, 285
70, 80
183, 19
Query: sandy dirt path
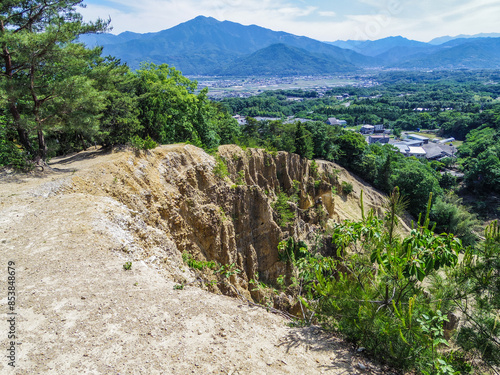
79, 311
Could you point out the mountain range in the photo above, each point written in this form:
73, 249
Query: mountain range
206, 46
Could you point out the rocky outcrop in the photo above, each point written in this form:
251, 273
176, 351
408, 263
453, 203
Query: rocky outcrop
181, 199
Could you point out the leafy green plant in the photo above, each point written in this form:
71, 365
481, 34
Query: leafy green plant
197, 264
227, 270
433, 336
223, 214
178, 286
127, 266
258, 285
220, 169
240, 179
283, 209
281, 281
10, 153
290, 250
149, 143
476, 282
371, 291
347, 188
143, 144
314, 169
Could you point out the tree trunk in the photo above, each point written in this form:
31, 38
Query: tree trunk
42, 147
84, 145
22, 133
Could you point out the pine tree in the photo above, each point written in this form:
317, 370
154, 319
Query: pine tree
303, 142
35, 35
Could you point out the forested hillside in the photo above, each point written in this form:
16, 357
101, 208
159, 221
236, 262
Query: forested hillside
206, 46
283, 60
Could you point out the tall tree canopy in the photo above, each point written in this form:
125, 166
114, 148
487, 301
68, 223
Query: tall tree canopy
170, 111
38, 58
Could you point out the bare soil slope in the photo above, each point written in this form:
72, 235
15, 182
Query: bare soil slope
80, 312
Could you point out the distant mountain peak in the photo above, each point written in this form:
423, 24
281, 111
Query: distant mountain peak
445, 39
205, 19
205, 46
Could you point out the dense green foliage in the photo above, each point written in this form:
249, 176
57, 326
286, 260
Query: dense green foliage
9, 152
476, 291
44, 74
371, 290
284, 60
379, 290
452, 103
398, 297
480, 157
170, 111
61, 96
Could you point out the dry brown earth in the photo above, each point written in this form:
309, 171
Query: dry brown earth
80, 312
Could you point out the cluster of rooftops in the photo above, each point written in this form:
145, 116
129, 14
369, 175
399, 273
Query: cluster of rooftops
417, 145
410, 144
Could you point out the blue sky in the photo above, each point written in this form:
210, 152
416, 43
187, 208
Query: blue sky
319, 19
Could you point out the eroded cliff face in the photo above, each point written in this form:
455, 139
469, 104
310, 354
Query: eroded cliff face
175, 199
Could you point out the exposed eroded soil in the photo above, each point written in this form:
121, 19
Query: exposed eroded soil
80, 312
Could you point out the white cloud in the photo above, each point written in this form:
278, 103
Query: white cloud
292, 12
421, 20
156, 15
327, 14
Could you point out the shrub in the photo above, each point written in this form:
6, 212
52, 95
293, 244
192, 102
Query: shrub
477, 284
283, 209
10, 153
240, 179
373, 296
220, 169
227, 270
291, 250
143, 144
314, 169
295, 191
448, 181
346, 187
451, 216
197, 264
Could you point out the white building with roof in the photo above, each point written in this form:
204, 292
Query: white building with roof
367, 129
418, 152
407, 149
417, 137
335, 121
